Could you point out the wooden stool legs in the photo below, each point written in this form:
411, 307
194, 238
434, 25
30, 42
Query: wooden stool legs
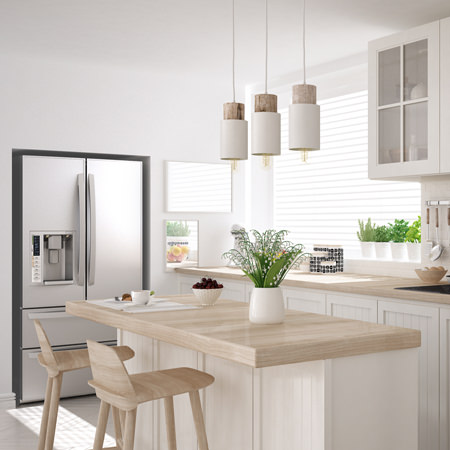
125, 424
50, 413
170, 423
101, 425
130, 426
197, 413
44, 421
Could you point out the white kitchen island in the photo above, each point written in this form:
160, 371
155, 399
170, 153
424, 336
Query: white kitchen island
312, 383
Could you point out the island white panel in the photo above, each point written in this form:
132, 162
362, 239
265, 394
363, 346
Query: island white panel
289, 407
228, 404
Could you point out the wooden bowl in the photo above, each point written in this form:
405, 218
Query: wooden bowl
432, 275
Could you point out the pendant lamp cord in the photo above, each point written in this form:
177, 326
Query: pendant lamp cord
267, 43
304, 41
234, 81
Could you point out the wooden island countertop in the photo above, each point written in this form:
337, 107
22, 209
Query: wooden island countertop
224, 331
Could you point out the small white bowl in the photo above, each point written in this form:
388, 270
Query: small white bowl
207, 297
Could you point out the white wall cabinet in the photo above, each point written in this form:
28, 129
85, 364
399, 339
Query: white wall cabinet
404, 103
445, 94
425, 319
352, 307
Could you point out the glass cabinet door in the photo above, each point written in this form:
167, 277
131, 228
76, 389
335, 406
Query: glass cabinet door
403, 103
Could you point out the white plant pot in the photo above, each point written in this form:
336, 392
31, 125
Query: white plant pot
383, 250
367, 249
413, 250
398, 250
266, 306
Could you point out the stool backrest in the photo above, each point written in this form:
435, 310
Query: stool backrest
108, 370
46, 349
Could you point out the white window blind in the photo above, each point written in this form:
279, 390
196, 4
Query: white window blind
320, 201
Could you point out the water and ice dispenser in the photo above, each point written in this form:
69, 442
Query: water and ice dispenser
52, 257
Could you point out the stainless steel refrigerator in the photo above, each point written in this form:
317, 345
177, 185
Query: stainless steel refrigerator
81, 225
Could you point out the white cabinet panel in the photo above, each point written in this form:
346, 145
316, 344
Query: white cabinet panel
351, 307
444, 379
228, 404
425, 319
307, 300
445, 94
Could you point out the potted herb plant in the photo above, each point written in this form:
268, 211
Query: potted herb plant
177, 241
413, 239
366, 236
382, 236
265, 258
398, 231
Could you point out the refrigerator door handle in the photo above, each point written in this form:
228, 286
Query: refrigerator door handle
82, 229
92, 229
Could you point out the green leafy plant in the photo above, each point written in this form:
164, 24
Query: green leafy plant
267, 258
382, 234
177, 228
366, 232
398, 230
414, 232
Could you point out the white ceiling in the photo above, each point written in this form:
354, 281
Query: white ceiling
183, 36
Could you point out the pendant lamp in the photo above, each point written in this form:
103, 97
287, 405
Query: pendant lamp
233, 127
266, 121
304, 113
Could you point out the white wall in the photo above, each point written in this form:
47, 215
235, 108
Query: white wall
56, 105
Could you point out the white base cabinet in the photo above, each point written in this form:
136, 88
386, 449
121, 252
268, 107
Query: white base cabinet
352, 307
425, 319
444, 379
434, 355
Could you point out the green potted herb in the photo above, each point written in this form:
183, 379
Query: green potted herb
382, 236
413, 240
265, 258
398, 231
366, 236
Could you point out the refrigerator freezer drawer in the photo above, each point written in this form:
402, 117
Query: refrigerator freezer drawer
62, 328
34, 379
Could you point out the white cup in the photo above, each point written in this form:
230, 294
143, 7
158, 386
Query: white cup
140, 297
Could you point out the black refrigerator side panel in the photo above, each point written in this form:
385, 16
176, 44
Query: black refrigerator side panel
16, 274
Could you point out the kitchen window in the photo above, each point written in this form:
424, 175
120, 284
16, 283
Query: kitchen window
320, 201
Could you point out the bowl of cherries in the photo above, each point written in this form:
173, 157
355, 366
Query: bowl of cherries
207, 291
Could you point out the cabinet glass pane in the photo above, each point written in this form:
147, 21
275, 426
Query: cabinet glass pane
416, 132
416, 70
389, 76
389, 136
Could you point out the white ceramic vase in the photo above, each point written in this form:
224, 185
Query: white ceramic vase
413, 249
266, 306
383, 250
398, 251
367, 249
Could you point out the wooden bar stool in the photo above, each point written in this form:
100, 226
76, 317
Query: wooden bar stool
115, 387
56, 364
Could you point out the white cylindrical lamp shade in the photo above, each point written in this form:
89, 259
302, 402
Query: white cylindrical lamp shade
304, 127
266, 133
234, 139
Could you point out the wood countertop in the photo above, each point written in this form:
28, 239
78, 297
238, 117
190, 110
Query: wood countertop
350, 283
224, 331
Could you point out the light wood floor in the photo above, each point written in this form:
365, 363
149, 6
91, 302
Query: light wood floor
77, 418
